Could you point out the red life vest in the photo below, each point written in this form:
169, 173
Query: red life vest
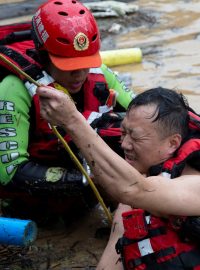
188, 152
17, 46
43, 142
153, 243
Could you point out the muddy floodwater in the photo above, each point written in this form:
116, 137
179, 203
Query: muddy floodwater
170, 43
171, 48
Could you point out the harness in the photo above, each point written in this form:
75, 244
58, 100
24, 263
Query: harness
44, 144
189, 152
152, 243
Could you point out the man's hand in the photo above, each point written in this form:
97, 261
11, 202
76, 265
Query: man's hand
55, 106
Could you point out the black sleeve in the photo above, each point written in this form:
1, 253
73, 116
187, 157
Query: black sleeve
31, 176
119, 108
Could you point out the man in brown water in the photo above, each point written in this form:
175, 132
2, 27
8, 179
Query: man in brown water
158, 182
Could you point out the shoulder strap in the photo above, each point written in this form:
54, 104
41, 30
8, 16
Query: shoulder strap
14, 33
17, 46
189, 151
23, 61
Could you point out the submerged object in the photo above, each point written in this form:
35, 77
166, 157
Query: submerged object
17, 232
121, 56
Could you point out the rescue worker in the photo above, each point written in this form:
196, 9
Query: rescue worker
64, 54
159, 180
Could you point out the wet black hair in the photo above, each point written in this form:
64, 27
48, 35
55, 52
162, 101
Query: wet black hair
171, 110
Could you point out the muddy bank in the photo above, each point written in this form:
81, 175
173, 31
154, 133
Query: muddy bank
20, 8
61, 247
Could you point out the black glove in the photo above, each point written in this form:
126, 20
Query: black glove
33, 177
108, 120
108, 127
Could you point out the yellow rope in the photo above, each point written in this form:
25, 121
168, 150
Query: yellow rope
81, 168
66, 146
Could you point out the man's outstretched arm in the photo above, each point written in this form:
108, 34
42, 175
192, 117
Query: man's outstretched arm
120, 179
59, 110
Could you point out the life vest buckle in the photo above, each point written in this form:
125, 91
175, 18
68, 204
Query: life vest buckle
112, 98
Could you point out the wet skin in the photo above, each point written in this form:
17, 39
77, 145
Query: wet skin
141, 140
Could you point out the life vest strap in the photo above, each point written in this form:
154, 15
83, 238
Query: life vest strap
151, 258
124, 241
186, 260
31, 69
16, 37
15, 56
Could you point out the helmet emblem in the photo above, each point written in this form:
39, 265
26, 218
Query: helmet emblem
81, 42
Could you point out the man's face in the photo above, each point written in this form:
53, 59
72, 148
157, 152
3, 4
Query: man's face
142, 145
71, 80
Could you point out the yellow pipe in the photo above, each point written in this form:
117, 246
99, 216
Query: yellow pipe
83, 171
121, 56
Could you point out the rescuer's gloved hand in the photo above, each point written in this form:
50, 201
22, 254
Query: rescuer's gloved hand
33, 177
68, 180
56, 174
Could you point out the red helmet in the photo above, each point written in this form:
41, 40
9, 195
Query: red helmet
69, 32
